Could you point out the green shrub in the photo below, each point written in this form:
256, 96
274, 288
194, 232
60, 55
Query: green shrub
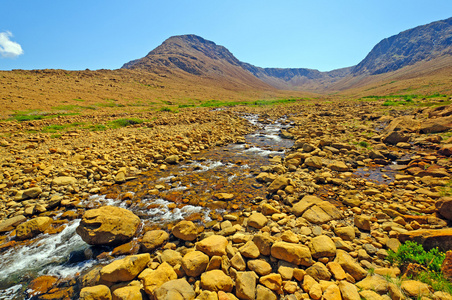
412, 252
125, 122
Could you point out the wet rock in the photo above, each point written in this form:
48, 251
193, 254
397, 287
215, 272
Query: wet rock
175, 289
120, 177
216, 280
125, 269
195, 263
108, 225
32, 227
214, 245
41, 285
293, 253
11, 223
246, 285
153, 239
154, 279
395, 137
185, 230
430, 238
224, 196
338, 166
350, 265
97, 292
322, 246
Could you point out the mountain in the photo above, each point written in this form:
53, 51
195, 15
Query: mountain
422, 43
423, 50
196, 56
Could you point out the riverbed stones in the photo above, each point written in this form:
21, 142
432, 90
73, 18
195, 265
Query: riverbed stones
33, 227
293, 253
155, 278
64, 180
214, 245
185, 230
125, 269
414, 288
127, 293
11, 223
216, 280
257, 220
430, 238
245, 285
322, 246
350, 265
108, 225
97, 292
195, 263
278, 184
175, 289
153, 239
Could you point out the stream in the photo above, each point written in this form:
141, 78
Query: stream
188, 190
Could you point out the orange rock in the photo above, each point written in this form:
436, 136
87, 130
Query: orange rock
41, 285
446, 267
430, 238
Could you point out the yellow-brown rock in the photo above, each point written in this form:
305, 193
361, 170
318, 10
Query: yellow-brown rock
127, 293
195, 263
97, 292
216, 280
125, 269
156, 278
153, 239
32, 227
108, 225
293, 253
185, 230
213, 245
272, 281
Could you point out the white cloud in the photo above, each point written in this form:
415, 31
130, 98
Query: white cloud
9, 48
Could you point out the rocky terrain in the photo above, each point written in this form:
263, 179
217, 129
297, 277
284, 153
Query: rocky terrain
358, 180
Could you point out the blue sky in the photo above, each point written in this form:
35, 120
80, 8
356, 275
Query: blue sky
98, 34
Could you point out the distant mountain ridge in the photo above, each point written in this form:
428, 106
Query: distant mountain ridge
200, 57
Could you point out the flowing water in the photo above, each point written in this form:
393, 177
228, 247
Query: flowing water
188, 190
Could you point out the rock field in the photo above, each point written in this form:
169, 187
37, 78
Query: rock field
358, 181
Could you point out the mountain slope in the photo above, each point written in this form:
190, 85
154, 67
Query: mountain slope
196, 56
422, 43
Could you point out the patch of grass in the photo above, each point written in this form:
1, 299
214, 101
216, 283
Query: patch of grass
53, 128
125, 122
168, 109
97, 127
79, 100
55, 136
364, 144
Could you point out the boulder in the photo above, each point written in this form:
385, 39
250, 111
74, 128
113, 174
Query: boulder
216, 280
97, 292
322, 246
350, 265
261, 267
430, 238
33, 227
154, 279
444, 206
375, 283
28, 193
436, 125
153, 239
264, 293
347, 233
172, 159
338, 166
185, 230
108, 225
363, 222
293, 253
370, 295
272, 281
332, 292
263, 243
395, 137
213, 245
125, 269
250, 250
178, 289
318, 271
301, 206
195, 263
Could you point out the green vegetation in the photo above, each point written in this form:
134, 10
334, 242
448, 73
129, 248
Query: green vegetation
55, 136
32, 115
411, 252
168, 109
97, 127
217, 103
125, 122
409, 99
